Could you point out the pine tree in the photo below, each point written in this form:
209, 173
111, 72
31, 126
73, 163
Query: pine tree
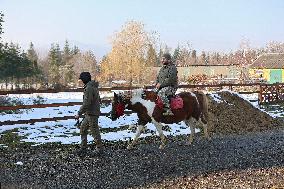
66, 56
1, 21
66, 69
54, 64
54, 55
1, 47
193, 56
32, 55
75, 50
176, 54
203, 58
14, 63
66, 49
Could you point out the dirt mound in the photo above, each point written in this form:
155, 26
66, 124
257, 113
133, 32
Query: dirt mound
234, 115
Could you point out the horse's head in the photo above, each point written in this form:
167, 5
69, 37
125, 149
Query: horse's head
118, 106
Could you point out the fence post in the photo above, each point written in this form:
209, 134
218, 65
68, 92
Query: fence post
277, 92
260, 94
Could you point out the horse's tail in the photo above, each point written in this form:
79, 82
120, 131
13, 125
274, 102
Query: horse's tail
204, 108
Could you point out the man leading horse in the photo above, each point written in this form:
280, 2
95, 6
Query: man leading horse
167, 82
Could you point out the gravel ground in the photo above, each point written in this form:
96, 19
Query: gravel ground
246, 151
254, 160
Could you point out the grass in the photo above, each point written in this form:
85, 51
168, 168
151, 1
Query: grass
11, 138
7, 101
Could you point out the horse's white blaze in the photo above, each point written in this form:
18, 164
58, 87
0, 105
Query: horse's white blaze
137, 97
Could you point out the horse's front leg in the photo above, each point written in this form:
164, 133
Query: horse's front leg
161, 134
137, 134
192, 134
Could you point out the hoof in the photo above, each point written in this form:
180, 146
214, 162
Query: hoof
162, 146
131, 127
129, 147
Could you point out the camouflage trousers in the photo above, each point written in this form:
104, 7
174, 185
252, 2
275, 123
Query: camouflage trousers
90, 122
164, 93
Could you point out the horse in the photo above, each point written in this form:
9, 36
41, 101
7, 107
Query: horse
146, 104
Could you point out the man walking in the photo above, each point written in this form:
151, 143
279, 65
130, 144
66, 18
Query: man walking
91, 111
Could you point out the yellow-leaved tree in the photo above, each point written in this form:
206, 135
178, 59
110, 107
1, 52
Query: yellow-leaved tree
127, 59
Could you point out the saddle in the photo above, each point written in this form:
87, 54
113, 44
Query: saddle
176, 102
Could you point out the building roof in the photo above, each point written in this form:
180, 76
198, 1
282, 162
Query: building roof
270, 60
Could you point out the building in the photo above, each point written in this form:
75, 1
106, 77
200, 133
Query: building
268, 66
226, 71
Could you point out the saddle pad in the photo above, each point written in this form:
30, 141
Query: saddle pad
176, 102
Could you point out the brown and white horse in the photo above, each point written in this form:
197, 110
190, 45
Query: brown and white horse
194, 111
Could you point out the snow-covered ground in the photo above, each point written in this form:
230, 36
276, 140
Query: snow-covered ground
65, 131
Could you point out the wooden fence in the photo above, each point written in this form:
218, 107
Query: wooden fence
271, 93
263, 90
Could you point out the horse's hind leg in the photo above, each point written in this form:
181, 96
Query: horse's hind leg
205, 129
161, 134
137, 134
204, 116
191, 124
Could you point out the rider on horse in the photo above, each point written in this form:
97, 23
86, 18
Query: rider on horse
167, 82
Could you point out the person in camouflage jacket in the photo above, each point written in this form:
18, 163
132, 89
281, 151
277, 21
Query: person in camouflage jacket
91, 111
167, 82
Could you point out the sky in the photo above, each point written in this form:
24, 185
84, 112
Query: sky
208, 25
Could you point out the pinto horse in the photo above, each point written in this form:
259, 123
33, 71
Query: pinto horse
194, 111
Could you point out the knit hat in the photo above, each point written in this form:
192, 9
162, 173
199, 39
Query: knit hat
167, 56
85, 77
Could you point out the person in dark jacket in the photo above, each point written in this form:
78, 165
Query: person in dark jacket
167, 82
91, 111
